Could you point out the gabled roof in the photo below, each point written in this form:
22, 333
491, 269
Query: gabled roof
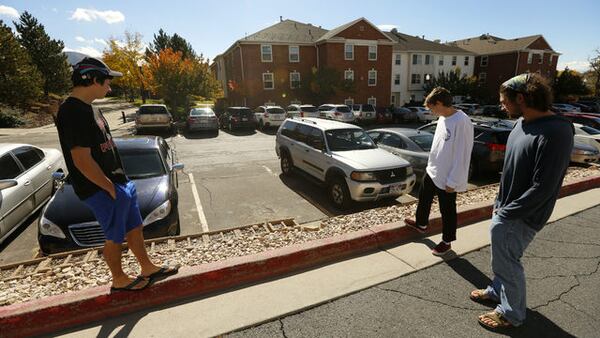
406, 42
332, 33
287, 31
489, 44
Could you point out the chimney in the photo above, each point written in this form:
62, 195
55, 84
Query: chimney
394, 30
280, 18
423, 37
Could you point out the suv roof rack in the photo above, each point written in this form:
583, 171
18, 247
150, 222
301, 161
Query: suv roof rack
303, 119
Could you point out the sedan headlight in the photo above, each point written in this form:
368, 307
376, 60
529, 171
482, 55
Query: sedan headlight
363, 176
48, 228
159, 213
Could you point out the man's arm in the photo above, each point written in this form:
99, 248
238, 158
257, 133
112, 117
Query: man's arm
462, 147
83, 160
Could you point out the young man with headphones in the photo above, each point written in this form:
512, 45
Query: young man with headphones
97, 175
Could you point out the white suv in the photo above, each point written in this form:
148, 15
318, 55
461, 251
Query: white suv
269, 116
302, 110
338, 112
343, 157
364, 112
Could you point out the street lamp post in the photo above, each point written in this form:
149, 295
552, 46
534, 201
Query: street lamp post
140, 63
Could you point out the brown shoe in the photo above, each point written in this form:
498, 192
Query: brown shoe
441, 249
420, 228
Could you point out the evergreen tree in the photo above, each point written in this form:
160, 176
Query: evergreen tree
177, 43
20, 81
45, 53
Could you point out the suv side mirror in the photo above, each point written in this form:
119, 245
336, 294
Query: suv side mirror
178, 167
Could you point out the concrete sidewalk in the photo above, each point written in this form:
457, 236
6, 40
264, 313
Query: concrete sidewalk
402, 291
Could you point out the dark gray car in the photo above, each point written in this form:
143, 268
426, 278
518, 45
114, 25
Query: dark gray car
410, 144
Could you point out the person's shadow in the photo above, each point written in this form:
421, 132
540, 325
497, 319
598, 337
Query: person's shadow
536, 325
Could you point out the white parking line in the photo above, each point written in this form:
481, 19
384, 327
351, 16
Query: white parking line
201, 216
269, 170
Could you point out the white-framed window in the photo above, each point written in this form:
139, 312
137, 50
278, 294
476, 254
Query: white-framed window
372, 100
428, 59
441, 60
466, 60
415, 79
373, 53
294, 80
484, 61
398, 59
295, 102
294, 52
268, 81
396, 79
529, 58
266, 53
349, 102
372, 78
541, 58
482, 78
417, 59
349, 74
270, 103
454, 60
348, 52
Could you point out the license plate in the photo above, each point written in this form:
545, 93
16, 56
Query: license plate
397, 189
244, 119
368, 114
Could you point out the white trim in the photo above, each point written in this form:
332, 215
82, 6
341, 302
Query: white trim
262, 59
369, 53
291, 81
397, 77
345, 52
419, 59
290, 54
351, 100
348, 71
426, 61
466, 60
270, 103
414, 77
272, 81
295, 102
372, 100
454, 60
397, 59
441, 60
372, 71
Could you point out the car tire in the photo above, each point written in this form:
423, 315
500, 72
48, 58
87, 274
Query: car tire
286, 164
339, 194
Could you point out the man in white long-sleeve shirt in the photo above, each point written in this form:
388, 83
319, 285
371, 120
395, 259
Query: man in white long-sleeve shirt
448, 167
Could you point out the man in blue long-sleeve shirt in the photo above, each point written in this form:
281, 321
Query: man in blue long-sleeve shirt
537, 156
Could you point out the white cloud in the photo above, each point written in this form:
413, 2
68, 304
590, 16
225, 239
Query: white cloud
101, 42
578, 65
110, 17
9, 11
55, 10
387, 28
91, 51
80, 39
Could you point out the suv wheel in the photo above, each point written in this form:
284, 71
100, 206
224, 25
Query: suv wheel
339, 193
287, 166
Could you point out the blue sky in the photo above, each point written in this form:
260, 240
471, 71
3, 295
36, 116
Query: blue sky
570, 27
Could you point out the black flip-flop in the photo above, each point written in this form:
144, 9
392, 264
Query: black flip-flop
131, 286
164, 272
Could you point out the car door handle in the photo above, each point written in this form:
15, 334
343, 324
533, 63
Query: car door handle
49, 167
27, 183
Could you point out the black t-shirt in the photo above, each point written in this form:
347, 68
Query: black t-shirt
81, 125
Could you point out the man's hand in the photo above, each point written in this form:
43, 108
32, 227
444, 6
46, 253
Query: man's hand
449, 190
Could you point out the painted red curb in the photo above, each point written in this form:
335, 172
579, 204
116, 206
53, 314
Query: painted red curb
64, 311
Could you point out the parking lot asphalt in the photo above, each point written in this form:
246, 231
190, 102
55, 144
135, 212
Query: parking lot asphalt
230, 179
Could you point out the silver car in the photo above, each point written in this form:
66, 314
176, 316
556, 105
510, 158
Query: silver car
155, 116
202, 118
410, 144
584, 153
338, 112
26, 182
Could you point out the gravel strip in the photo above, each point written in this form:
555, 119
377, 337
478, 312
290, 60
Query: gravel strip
77, 275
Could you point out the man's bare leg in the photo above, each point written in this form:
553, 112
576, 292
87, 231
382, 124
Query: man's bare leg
112, 255
135, 241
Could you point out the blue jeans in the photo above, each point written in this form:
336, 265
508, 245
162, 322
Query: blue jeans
510, 238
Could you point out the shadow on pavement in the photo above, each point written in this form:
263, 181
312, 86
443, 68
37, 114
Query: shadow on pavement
195, 135
240, 132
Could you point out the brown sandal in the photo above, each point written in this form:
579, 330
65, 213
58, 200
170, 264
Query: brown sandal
499, 323
480, 296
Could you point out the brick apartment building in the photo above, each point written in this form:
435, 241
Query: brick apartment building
268, 67
497, 59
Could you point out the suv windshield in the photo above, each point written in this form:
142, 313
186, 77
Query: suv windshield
348, 139
202, 112
343, 109
275, 111
309, 109
142, 163
153, 110
368, 107
423, 141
